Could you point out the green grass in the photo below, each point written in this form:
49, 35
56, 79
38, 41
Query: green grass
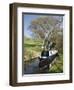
32, 48
57, 67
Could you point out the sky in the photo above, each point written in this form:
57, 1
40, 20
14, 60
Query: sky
27, 21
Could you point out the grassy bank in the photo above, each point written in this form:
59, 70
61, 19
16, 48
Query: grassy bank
57, 66
32, 48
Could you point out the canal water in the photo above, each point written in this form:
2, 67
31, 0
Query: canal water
32, 67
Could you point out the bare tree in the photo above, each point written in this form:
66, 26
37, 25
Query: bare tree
47, 28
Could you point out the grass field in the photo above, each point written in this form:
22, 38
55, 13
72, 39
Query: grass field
32, 48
